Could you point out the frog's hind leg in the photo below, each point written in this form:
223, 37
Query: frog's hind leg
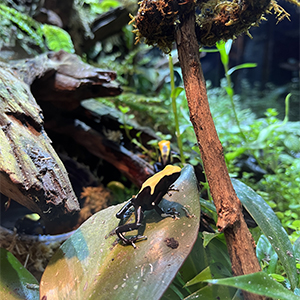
139, 215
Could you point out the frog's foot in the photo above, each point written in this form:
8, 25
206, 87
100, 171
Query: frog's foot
171, 212
131, 241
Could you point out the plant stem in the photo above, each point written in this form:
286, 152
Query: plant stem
230, 94
174, 107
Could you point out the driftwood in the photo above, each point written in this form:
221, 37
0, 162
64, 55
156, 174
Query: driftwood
87, 127
31, 173
63, 79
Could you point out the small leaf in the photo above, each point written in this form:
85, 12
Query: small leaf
15, 281
208, 236
232, 155
215, 270
176, 92
269, 224
124, 109
89, 266
258, 283
292, 143
278, 277
205, 274
242, 66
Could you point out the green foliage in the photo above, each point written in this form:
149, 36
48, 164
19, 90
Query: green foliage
258, 283
209, 261
57, 39
272, 142
26, 26
175, 92
30, 32
97, 7
271, 228
15, 281
92, 8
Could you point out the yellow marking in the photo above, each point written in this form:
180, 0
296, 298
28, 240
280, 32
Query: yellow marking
154, 180
164, 147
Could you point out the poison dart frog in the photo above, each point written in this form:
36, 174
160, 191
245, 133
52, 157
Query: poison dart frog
148, 198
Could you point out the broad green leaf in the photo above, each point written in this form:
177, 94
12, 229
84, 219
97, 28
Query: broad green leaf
270, 225
15, 281
213, 292
217, 251
258, 283
242, 66
194, 264
90, 266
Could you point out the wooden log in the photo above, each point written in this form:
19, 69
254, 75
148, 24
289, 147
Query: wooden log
65, 80
31, 173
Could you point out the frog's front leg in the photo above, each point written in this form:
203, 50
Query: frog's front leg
139, 215
162, 213
124, 209
172, 189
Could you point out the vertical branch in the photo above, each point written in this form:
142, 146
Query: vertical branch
230, 219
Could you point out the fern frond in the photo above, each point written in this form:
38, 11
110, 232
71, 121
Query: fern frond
57, 39
25, 23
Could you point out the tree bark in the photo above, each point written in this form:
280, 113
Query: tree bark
31, 173
230, 219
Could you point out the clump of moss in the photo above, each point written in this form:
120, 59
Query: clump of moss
216, 20
156, 20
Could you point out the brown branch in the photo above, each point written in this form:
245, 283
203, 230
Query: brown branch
230, 219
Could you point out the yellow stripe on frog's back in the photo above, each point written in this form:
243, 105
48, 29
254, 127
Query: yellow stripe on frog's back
154, 180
